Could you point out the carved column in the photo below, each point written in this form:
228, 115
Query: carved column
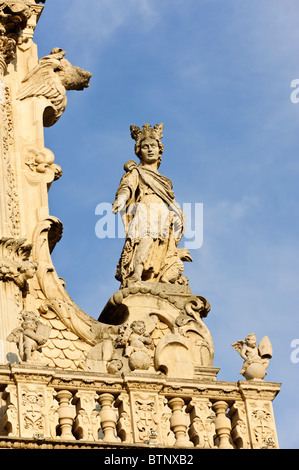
66, 414
222, 425
108, 417
178, 422
32, 96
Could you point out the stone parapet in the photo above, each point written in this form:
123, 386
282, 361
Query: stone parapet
51, 408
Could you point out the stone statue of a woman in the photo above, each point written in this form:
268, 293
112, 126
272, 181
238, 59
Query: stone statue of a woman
154, 222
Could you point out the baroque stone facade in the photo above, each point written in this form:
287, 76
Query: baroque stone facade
143, 374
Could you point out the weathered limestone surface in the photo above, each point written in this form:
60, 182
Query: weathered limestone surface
52, 408
143, 374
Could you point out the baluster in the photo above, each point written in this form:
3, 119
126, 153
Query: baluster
66, 414
222, 425
108, 417
178, 422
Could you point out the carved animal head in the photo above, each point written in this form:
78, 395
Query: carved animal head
50, 79
72, 77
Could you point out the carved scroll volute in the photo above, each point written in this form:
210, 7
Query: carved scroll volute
47, 233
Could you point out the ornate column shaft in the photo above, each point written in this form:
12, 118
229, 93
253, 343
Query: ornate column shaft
108, 417
66, 414
222, 425
178, 422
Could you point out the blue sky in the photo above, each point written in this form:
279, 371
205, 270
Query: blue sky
218, 75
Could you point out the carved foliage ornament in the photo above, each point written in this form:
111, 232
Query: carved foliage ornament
42, 162
14, 16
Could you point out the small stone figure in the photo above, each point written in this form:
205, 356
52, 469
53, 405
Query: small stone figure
115, 366
30, 336
256, 358
137, 344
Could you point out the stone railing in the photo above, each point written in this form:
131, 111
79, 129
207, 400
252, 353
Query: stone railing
49, 408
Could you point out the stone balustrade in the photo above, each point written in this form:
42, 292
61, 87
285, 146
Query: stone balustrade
58, 409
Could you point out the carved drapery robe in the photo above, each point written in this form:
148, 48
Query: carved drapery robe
151, 213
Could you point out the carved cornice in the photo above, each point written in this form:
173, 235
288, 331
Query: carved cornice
257, 389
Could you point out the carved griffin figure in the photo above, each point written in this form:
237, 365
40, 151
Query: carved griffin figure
51, 77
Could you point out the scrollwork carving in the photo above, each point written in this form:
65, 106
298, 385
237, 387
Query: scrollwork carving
42, 162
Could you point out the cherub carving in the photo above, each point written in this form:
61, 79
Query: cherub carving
18, 272
137, 344
30, 336
256, 358
52, 76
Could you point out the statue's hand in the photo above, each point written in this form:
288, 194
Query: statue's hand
118, 204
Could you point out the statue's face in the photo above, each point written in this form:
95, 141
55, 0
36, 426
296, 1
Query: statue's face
138, 327
149, 151
251, 341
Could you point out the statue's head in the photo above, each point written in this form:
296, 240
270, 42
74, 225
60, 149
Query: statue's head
149, 135
251, 340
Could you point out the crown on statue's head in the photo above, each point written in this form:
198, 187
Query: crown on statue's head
146, 132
